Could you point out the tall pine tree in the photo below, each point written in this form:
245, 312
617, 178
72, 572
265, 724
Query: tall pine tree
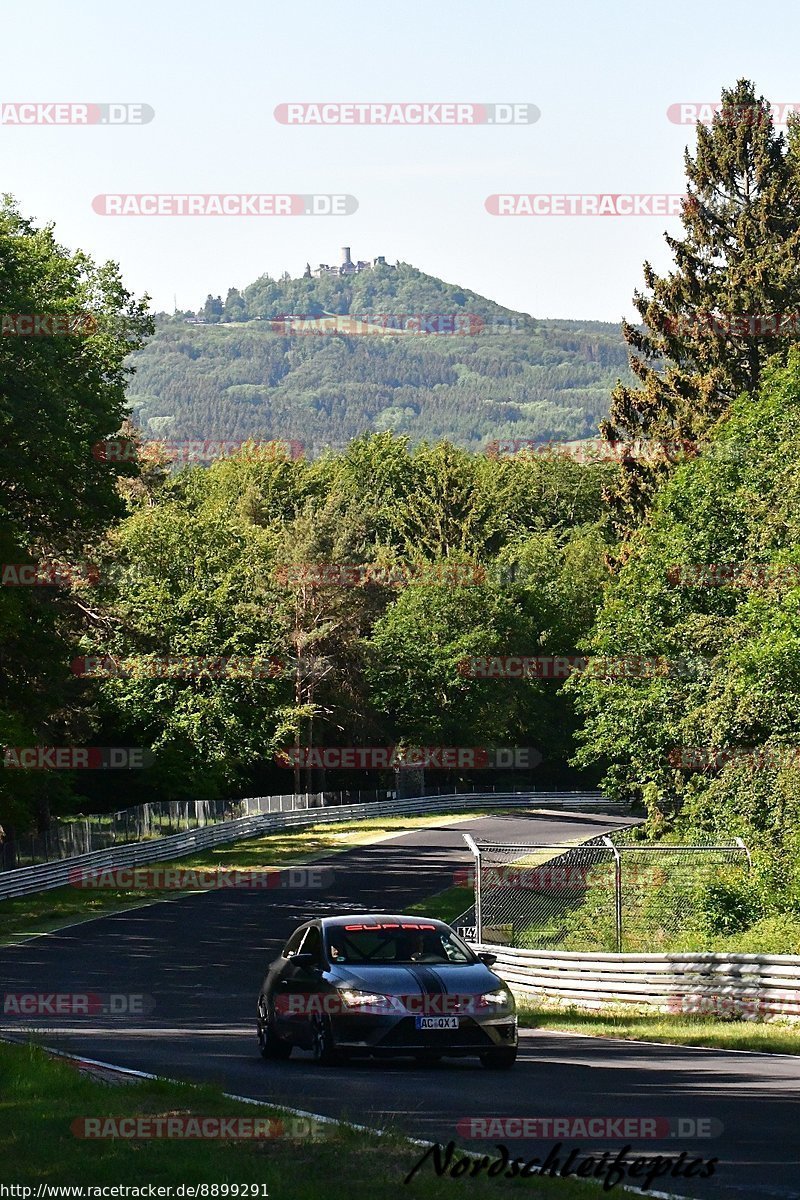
710, 324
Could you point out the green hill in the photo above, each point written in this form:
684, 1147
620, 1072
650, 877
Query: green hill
251, 371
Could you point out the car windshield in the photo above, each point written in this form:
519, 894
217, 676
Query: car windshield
396, 942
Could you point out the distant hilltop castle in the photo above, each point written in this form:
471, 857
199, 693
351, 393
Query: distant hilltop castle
348, 267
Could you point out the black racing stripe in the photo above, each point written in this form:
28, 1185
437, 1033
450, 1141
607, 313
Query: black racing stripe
431, 984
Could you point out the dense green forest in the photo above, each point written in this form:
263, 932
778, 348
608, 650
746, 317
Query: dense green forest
238, 612
241, 377
203, 567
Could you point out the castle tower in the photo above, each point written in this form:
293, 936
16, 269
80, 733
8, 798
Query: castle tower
346, 260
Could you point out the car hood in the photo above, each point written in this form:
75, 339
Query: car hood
416, 979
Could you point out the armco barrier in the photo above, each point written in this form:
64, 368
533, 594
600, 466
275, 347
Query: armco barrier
41, 878
754, 986
159, 818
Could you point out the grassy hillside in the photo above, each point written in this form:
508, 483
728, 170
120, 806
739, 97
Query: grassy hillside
253, 373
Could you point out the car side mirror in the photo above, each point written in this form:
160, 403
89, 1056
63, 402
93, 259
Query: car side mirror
303, 960
488, 958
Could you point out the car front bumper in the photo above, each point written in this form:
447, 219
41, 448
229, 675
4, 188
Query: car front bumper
399, 1035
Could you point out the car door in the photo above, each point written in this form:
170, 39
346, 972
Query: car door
271, 987
299, 986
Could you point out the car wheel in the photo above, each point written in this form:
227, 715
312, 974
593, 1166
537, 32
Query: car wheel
500, 1059
322, 1045
269, 1043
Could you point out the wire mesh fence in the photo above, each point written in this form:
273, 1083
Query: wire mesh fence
607, 894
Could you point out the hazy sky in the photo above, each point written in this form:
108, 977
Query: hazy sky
602, 74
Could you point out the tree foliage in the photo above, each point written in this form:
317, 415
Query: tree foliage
713, 584
202, 568
60, 395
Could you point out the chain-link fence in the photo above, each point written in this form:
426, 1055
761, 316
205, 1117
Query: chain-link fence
608, 894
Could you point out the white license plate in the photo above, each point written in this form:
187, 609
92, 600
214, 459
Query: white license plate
437, 1022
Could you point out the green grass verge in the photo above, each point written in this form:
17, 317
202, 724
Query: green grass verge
45, 912
679, 1030
41, 1097
447, 905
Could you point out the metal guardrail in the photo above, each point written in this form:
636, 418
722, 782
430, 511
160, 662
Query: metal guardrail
67, 838
737, 985
24, 881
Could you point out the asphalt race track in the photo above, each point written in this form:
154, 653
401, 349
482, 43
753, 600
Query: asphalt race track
202, 957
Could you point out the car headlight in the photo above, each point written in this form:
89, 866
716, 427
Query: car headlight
374, 1000
501, 998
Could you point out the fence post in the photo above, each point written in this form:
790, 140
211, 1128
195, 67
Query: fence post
477, 887
741, 844
617, 891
